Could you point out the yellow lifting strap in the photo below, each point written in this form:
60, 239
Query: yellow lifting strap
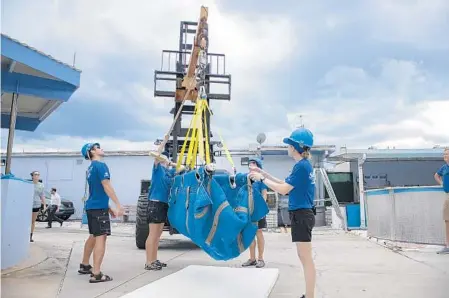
228, 154
188, 138
206, 133
197, 138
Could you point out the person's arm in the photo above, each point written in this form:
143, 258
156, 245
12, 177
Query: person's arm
438, 176
271, 177
103, 172
43, 198
438, 179
281, 187
109, 190
266, 175
58, 201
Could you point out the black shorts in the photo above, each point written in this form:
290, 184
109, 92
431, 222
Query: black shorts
157, 212
36, 209
262, 223
302, 223
99, 222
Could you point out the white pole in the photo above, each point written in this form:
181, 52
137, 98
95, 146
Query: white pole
361, 161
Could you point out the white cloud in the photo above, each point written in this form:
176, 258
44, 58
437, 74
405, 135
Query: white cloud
143, 29
355, 104
417, 22
52, 143
358, 106
418, 129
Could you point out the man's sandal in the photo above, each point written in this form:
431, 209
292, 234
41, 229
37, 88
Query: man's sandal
100, 277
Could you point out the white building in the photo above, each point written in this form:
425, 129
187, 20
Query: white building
66, 170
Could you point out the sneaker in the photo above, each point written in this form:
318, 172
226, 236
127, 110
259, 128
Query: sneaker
153, 266
443, 251
161, 264
249, 263
260, 264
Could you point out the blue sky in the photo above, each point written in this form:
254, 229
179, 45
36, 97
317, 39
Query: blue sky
361, 73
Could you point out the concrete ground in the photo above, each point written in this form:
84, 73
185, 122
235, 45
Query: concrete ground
348, 265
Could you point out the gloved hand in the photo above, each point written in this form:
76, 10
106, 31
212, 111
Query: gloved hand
210, 167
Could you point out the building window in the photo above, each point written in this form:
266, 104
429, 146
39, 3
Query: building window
244, 161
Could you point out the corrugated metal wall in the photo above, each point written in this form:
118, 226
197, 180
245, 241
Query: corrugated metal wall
413, 214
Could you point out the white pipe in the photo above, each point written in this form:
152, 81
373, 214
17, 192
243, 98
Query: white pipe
361, 161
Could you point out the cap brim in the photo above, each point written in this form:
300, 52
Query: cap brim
289, 141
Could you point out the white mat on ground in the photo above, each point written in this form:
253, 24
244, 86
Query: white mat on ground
209, 281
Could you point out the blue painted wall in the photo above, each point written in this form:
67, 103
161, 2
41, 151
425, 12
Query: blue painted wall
17, 202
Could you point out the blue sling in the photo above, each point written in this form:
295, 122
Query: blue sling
217, 214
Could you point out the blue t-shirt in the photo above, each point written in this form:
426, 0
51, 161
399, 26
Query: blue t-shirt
259, 186
443, 172
161, 181
302, 178
97, 172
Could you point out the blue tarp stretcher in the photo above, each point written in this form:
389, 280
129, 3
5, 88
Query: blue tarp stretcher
218, 212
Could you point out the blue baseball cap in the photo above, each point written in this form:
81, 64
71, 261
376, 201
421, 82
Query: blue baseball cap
257, 160
86, 148
300, 138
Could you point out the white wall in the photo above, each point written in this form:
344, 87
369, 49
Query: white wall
67, 173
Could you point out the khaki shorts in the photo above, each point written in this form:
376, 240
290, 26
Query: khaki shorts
446, 208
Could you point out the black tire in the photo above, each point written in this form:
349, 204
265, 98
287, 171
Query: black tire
142, 228
41, 216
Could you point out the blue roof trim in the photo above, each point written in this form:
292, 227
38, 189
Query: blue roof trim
285, 152
377, 192
24, 54
22, 123
379, 154
36, 86
418, 189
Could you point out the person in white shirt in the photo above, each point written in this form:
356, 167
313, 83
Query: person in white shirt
55, 203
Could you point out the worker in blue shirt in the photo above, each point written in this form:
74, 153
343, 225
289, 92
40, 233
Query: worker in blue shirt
300, 186
442, 177
98, 211
161, 181
258, 186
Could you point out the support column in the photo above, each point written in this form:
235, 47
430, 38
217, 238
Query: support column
12, 128
361, 161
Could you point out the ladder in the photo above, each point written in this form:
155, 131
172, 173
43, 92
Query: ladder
333, 198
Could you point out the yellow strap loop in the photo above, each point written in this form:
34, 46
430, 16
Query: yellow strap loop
191, 157
228, 154
197, 137
188, 138
206, 132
